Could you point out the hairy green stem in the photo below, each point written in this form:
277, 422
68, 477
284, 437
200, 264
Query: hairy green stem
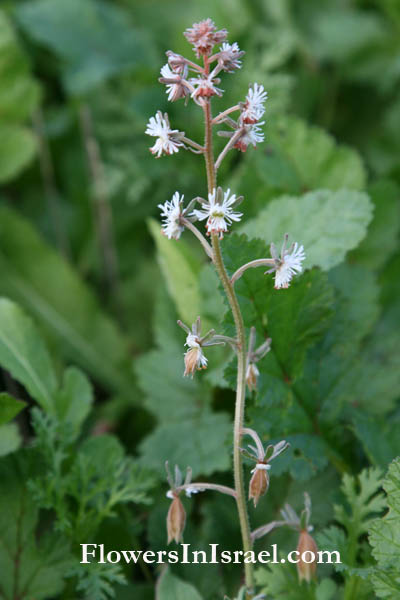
241, 365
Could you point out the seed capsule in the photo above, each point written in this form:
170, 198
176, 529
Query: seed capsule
258, 484
306, 570
176, 520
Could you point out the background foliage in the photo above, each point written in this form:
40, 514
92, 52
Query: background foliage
93, 400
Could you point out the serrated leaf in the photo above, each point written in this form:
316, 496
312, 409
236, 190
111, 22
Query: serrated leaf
34, 275
9, 407
313, 156
36, 567
23, 353
327, 223
294, 318
170, 587
199, 443
79, 31
384, 537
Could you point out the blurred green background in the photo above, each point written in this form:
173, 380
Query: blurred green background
80, 253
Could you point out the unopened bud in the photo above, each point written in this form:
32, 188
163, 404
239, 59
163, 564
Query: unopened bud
307, 551
258, 483
252, 374
176, 520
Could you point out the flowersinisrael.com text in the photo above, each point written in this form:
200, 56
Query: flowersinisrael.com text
184, 555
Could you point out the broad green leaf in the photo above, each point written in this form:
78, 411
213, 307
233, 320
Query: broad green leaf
23, 353
17, 149
199, 443
381, 239
9, 407
384, 537
30, 566
170, 587
327, 223
378, 436
10, 438
79, 32
294, 318
75, 398
34, 275
314, 157
181, 273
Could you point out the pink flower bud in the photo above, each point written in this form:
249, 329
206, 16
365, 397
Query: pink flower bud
306, 570
258, 484
176, 520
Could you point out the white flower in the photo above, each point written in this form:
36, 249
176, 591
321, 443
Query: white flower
171, 212
205, 87
194, 357
288, 265
219, 213
252, 134
175, 83
229, 57
253, 109
169, 140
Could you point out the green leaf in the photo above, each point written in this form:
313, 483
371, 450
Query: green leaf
9, 407
79, 32
327, 223
181, 273
19, 92
381, 239
313, 156
29, 568
365, 501
188, 433
199, 443
10, 438
17, 149
294, 318
170, 587
384, 537
75, 398
34, 275
23, 353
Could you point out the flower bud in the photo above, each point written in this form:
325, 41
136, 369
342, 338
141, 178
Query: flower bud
176, 520
252, 374
258, 483
306, 570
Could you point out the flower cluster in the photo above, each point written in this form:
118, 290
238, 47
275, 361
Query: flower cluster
184, 78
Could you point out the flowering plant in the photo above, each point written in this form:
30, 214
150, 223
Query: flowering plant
219, 212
